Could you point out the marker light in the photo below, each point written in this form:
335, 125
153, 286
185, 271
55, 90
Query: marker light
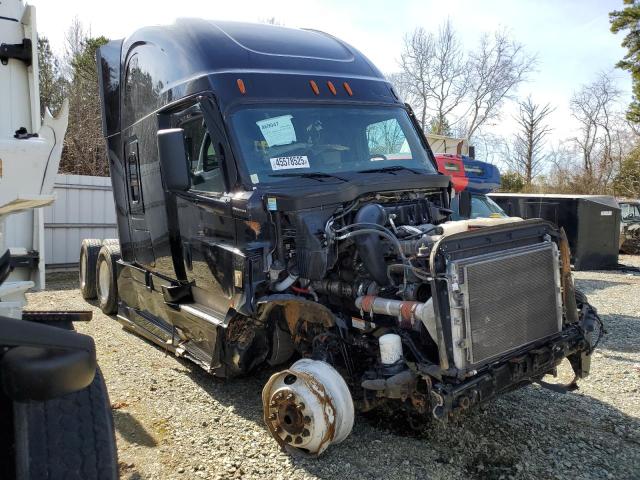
241, 86
348, 89
332, 88
314, 87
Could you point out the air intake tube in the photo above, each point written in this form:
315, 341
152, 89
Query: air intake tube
369, 246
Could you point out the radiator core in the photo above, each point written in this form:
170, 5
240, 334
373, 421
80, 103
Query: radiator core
502, 301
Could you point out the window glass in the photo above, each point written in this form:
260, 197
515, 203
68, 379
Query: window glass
476, 170
203, 156
630, 211
481, 207
387, 139
281, 141
625, 210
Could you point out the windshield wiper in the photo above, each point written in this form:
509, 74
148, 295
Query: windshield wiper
315, 175
391, 169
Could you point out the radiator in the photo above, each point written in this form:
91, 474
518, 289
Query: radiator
502, 301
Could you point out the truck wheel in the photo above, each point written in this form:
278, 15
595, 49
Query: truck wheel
111, 241
308, 407
88, 256
70, 437
107, 286
581, 298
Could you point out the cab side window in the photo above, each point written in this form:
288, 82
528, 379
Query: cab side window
203, 156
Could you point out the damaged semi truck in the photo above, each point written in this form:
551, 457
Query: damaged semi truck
277, 201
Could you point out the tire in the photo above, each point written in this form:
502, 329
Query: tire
111, 241
70, 437
106, 284
581, 299
89, 249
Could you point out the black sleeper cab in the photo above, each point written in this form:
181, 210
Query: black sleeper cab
277, 201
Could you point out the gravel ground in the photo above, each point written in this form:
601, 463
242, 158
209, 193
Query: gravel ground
175, 421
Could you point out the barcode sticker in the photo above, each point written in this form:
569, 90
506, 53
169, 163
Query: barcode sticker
286, 163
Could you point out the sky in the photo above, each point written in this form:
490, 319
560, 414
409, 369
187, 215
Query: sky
570, 38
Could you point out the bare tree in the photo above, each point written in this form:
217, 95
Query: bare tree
495, 70
74, 39
450, 88
564, 173
53, 86
435, 75
84, 146
402, 86
415, 61
448, 78
598, 141
529, 143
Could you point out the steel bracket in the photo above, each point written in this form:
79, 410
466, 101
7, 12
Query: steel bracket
19, 51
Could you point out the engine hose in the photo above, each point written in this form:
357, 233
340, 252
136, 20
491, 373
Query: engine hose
408, 312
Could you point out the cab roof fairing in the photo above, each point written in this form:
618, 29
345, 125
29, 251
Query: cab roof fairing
274, 63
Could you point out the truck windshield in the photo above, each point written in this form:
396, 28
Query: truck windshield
481, 207
281, 142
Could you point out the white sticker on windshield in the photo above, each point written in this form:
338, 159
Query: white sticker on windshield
277, 130
285, 163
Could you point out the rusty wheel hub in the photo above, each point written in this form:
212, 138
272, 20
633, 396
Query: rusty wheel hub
308, 407
287, 417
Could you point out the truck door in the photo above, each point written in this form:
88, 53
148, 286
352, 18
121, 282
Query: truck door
140, 237
207, 228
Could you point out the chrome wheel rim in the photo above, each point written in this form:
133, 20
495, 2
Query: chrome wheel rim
104, 281
83, 271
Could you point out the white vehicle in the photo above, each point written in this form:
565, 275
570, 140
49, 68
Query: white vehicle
30, 150
55, 415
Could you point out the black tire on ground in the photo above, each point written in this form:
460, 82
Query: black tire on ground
89, 249
111, 241
71, 437
581, 299
106, 284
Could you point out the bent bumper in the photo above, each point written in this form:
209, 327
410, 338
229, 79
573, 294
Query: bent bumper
515, 371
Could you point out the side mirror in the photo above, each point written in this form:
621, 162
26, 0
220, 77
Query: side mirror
464, 204
173, 159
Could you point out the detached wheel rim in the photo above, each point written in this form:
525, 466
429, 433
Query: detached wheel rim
308, 407
104, 281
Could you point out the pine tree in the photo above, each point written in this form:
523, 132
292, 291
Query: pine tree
629, 19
